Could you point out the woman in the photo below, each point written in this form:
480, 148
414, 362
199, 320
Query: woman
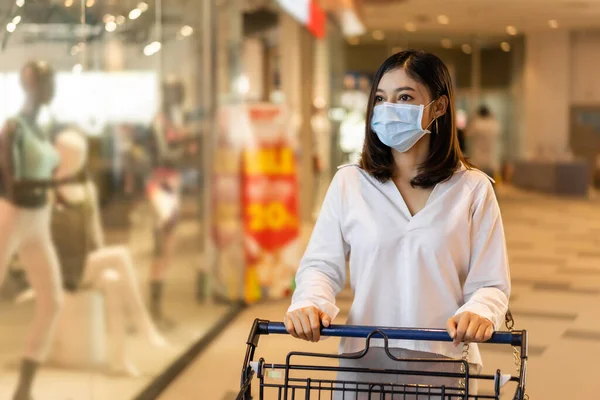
422, 226
484, 139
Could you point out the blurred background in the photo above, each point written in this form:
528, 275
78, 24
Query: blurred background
215, 126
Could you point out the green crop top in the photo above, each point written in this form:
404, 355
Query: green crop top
33, 159
34, 156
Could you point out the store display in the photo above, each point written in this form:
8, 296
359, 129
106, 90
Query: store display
87, 264
269, 204
26, 227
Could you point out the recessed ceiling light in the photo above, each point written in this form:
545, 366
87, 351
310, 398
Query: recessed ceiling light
90, 3
443, 20
411, 27
186, 31
466, 48
511, 30
108, 18
143, 7
111, 26
447, 43
505, 46
553, 24
20, 3
68, 3
354, 40
135, 13
378, 35
120, 20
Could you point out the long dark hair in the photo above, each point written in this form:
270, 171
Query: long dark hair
444, 150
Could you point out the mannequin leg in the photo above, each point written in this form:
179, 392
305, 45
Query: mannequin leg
114, 265
9, 235
111, 285
39, 259
164, 246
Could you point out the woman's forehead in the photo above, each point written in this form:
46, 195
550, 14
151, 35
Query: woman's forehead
398, 78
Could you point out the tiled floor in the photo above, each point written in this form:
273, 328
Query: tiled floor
554, 247
193, 320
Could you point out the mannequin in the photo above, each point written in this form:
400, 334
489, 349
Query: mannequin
25, 215
164, 191
87, 263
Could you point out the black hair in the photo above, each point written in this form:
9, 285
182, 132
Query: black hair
444, 149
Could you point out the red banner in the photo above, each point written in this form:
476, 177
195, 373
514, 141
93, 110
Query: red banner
269, 204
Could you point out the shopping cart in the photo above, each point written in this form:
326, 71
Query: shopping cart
276, 380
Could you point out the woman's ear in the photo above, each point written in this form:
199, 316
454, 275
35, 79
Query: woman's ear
441, 106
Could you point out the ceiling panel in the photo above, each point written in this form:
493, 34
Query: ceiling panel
483, 17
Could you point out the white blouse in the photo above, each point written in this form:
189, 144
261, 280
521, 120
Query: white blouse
407, 271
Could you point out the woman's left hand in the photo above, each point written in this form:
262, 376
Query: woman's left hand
469, 327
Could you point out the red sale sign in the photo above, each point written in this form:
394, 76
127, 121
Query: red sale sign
269, 204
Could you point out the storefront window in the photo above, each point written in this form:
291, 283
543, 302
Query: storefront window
112, 95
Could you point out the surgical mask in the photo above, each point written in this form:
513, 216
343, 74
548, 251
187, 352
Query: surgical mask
399, 125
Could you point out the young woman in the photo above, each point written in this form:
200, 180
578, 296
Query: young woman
419, 225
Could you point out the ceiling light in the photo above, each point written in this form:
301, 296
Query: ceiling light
16, 20
447, 43
354, 40
90, 3
120, 20
511, 30
443, 20
505, 46
466, 48
111, 26
135, 13
77, 68
411, 27
11, 27
553, 24
378, 35
68, 3
108, 18
186, 31
152, 48
20, 3
143, 7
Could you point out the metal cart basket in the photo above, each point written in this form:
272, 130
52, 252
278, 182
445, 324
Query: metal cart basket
278, 381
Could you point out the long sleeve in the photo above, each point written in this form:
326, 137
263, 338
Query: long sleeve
322, 271
487, 286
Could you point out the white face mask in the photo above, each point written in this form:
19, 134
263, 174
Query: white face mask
399, 125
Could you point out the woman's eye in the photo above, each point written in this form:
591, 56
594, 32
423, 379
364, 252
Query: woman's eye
378, 99
405, 97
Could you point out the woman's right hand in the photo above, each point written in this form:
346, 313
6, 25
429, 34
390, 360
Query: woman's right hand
305, 323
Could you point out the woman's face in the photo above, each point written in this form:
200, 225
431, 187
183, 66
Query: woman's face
397, 87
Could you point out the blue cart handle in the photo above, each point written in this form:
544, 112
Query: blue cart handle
431, 335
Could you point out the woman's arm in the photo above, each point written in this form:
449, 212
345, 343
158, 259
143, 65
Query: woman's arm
487, 287
322, 272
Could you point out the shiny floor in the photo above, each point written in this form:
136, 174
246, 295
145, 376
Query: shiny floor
554, 248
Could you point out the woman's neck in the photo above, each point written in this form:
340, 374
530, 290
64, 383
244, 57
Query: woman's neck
407, 164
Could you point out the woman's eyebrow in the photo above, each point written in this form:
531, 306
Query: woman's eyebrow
400, 89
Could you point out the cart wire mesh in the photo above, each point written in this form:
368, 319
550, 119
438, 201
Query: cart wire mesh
279, 381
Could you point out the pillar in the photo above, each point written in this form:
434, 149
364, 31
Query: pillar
297, 65
547, 93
